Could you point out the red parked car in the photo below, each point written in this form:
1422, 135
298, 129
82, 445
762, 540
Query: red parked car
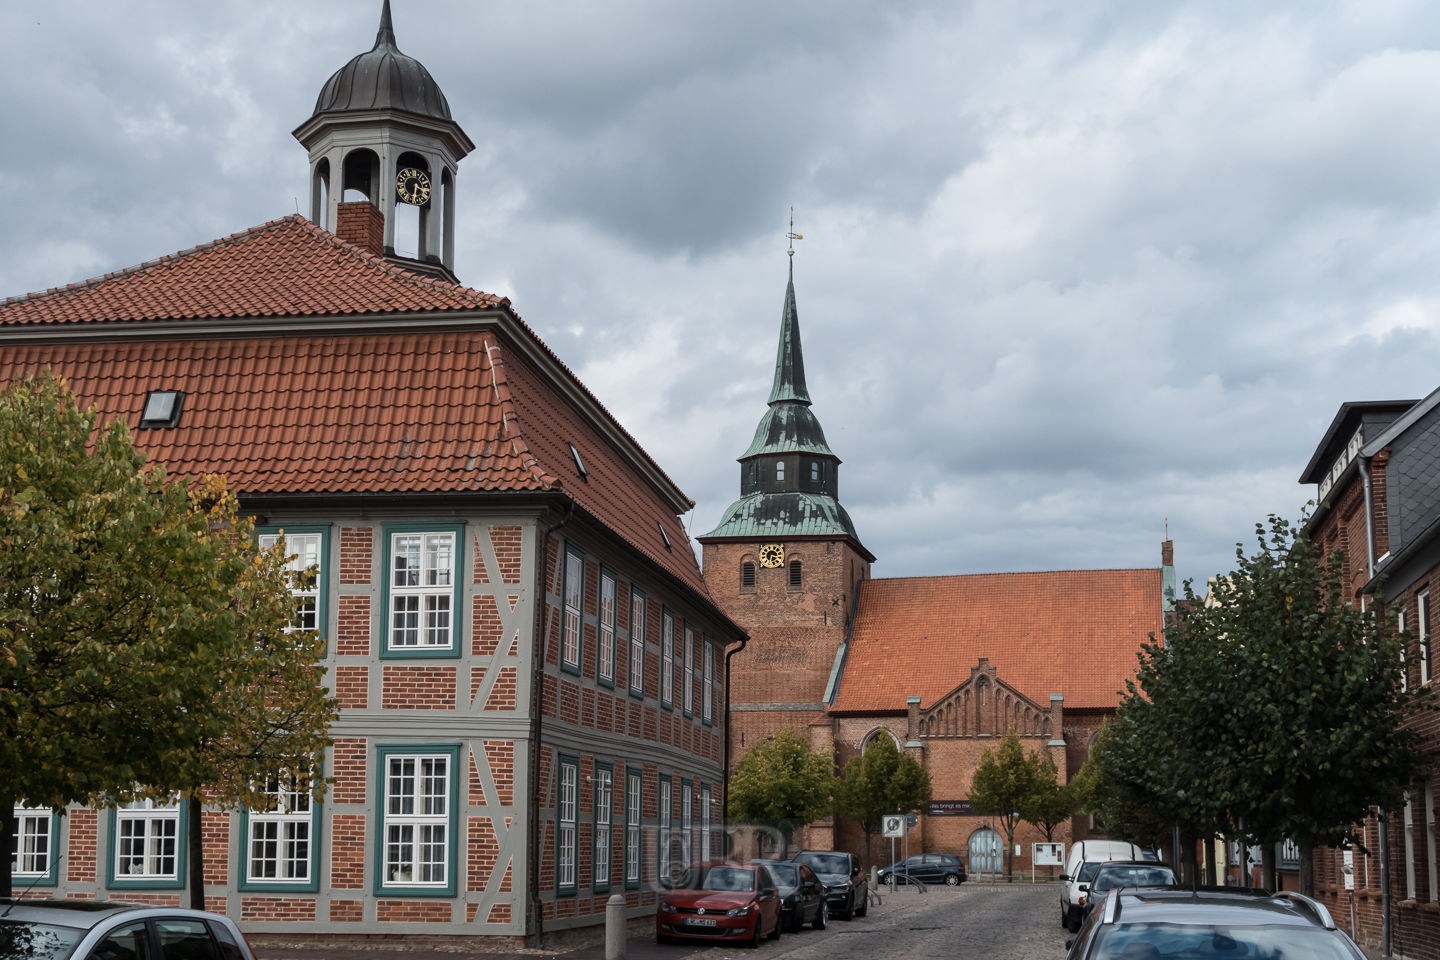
720, 901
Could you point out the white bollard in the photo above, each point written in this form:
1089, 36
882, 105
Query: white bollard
615, 928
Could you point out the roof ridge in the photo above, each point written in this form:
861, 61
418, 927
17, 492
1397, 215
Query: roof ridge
1016, 573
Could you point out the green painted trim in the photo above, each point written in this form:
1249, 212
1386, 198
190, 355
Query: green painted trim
599, 631
667, 690
567, 760
452, 873
181, 836
625, 861
457, 618
578, 554
311, 885
595, 885
638, 692
52, 876
322, 613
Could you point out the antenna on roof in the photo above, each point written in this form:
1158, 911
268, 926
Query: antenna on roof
1167, 528
792, 236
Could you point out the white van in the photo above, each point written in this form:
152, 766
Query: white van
1084, 859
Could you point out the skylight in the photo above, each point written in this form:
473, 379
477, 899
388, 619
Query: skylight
162, 409
579, 464
663, 535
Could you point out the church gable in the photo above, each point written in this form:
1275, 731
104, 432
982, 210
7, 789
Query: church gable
984, 705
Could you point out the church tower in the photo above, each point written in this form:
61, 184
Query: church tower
383, 157
785, 562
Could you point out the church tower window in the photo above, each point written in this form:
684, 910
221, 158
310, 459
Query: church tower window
747, 575
779, 470
814, 471
795, 578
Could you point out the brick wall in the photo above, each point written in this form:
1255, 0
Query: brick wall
418, 687
486, 628
349, 766
357, 545
501, 755
503, 692
362, 224
484, 851
412, 911
83, 854
215, 834
352, 686
347, 911
507, 543
277, 908
347, 851
352, 638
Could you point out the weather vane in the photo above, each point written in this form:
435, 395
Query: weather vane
792, 235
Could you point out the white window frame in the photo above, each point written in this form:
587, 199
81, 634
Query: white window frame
306, 552
428, 813
147, 840
604, 813
666, 821
32, 843
637, 642
687, 675
566, 806
779, 471
429, 588
1409, 848
633, 790
667, 659
1405, 669
687, 822
709, 695
705, 827
1422, 617
574, 603
1430, 838
607, 628
282, 834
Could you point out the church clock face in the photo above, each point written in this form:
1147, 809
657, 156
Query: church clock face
412, 185
772, 555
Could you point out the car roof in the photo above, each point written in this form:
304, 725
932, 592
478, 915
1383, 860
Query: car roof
1135, 863
82, 914
1176, 905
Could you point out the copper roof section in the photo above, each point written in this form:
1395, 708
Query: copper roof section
383, 78
921, 636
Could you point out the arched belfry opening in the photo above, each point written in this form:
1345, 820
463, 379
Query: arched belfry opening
382, 122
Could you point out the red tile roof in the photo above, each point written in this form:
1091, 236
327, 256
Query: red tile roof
1074, 632
285, 268
319, 413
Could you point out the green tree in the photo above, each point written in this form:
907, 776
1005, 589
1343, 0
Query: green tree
881, 780
1004, 782
136, 615
779, 779
1105, 786
1051, 803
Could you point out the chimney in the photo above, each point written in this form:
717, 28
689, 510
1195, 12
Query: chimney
362, 224
1167, 553
912, 724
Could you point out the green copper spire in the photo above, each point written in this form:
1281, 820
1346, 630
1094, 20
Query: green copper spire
789, 363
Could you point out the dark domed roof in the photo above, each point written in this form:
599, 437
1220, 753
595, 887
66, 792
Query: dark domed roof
383, 79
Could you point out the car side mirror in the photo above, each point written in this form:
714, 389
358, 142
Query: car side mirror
1069, 943
1083, 887
767, 891
1065, 877
855, 871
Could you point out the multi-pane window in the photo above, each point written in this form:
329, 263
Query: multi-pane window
417, 821
1409, 848
422, 589
666, 809
632, 827
1405, 667
280, 835
1422, 625
304, 553
708, 695
687, 823
814, 471
30, 846
565, 813
637, 642
147, 835
688, 676
603, 809
1430, 837
574, 592
704, 822
779, 469
607, 627
667, 659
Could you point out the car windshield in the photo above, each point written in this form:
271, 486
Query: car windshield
826, 862
20, 940
785, 874
1087, 872
1111, 877
729, 879
1184, 941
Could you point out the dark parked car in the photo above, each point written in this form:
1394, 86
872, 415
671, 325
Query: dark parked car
926, 867
1118, 874
64, 929
720, 901
802, 895
1210, 922
847, 892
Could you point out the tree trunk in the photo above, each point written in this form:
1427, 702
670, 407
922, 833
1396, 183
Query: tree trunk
7, 830
1210, 862
1307, 867
1010, 854
196, 843
1267, 866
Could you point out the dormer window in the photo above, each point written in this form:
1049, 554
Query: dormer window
579, 464
779, 470
815, 471
162, 409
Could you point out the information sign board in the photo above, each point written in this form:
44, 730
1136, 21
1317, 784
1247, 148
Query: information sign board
1048, 854
894, 825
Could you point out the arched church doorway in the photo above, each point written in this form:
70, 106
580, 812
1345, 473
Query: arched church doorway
984, 851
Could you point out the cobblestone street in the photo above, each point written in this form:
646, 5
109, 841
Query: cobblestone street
1018, 922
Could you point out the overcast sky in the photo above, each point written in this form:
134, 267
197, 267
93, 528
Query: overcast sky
1069, 269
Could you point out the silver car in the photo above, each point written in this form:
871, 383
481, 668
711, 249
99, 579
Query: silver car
109, 930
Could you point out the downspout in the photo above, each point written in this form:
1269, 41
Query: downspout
725, 767
537, 682
1384, 885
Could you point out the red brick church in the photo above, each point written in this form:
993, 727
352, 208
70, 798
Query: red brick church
944, 665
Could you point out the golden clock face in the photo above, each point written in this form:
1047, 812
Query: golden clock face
412, 185
772, 555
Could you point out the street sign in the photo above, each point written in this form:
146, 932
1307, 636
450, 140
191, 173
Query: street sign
1048, 854
1349, 869
911, 819
894, 825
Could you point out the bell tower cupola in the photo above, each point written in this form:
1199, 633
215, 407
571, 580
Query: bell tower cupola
384, 151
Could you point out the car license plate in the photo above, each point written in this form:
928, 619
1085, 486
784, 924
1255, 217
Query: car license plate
699, 922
